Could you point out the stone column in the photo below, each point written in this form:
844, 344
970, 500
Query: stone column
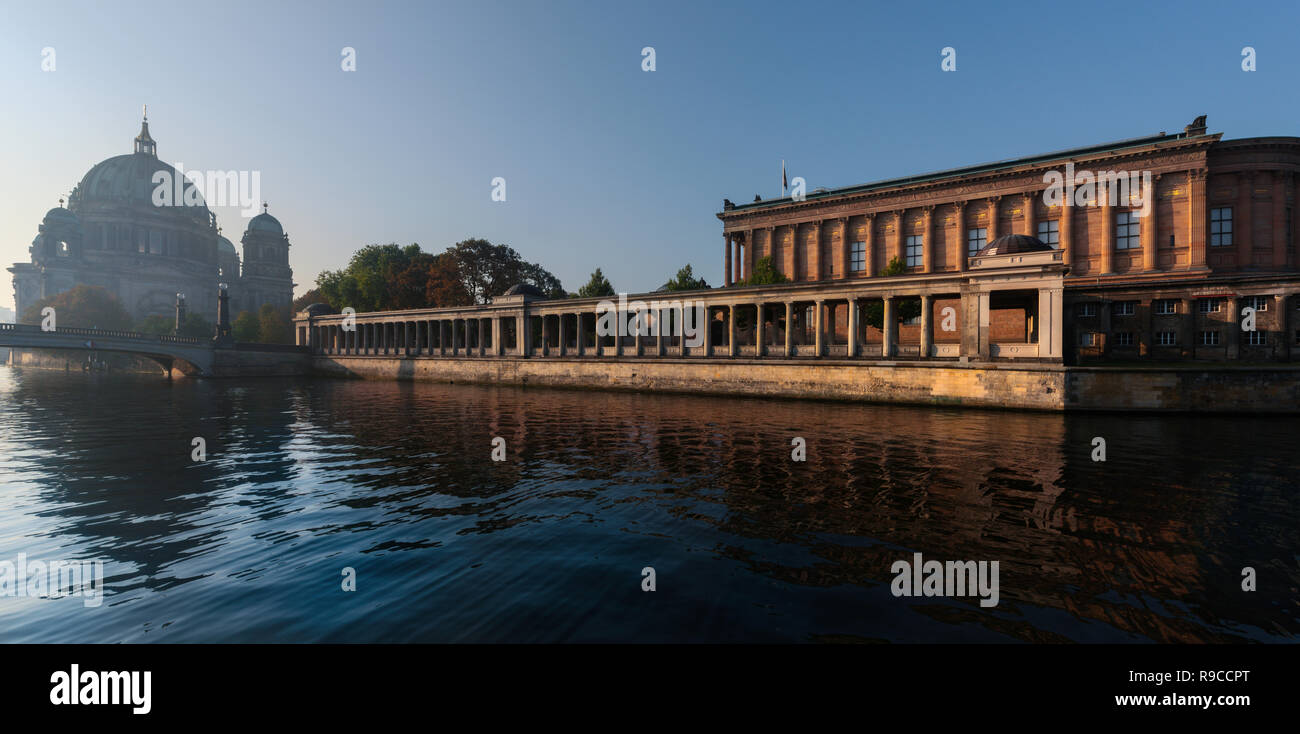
993, 218
1196, 217
789, 328
853, 327
1243, 219
963, 246
842, 257
927, 325
869, 244
759, 341
659, 332
900, 218
525, 334
1233, 337
1051, 323
482, 330
927, 240
751, 250
564, 336
731, 330
1031, 213
1107, 235
1066, 226
819, 325
1150, 232
708, 332
1279, 219
726, 259
813, 254
497, 347
889, 326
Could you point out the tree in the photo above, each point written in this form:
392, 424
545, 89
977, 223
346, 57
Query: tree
155, 325
388, 277
273, 326
84, 307
895, 267
686, 281
307, 299
193, 325
765, 273
597, 286
246, 327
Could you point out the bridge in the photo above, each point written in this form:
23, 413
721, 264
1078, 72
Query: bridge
192, 356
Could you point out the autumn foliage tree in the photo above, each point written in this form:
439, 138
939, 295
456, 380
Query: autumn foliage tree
390, 277
84, 307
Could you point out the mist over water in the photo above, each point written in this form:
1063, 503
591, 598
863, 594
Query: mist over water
306, 477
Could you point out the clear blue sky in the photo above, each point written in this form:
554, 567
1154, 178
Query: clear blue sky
606, 165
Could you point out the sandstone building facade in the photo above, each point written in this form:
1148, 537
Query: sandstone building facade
1160, 277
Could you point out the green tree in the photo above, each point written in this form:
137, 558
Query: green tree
273, 326
155, 325
765, 273
308, 298
246, 327
597, 286
196, 326
388, 277
895, 267
83, 307
686, 281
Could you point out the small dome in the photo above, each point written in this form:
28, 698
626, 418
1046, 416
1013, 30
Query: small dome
265, 223
226, 247
525, 289
59, 214
319, 309
1010, 244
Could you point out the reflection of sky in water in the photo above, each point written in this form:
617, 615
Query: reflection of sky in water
394, 480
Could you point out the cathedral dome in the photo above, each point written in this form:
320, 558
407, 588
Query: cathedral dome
265, 223
129, 180
226, 247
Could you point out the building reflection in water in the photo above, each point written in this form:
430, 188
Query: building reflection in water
1148, 545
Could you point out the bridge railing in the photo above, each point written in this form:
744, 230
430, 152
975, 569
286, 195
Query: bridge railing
105, 334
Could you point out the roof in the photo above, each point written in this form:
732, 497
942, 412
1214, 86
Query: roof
1009, 163
1010, 244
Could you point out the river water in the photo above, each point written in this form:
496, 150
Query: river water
396, 481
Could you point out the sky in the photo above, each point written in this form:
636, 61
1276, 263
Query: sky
605, 164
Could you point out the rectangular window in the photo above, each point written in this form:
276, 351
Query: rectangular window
1168, 338
1259, 303
1166, 307
1211, 305
976, 239
858, 257
915, 246
1209, 338
1127, 231
1221, 227
1124, 339
1086, 309
1257, 338
1125, 308
1050, 232
1088, 339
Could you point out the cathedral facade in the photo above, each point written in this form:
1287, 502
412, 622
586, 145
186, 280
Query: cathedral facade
112, 234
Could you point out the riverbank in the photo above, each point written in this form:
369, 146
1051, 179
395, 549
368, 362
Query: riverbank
1044, 387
